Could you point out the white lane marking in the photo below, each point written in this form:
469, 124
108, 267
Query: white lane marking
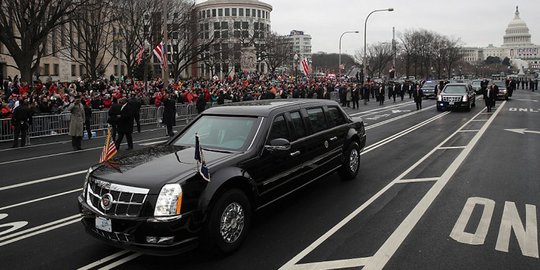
451, 147
361, 208
40, 199
527, 237
13, 225
402, 133
42, 180
153, 143
479, 236
120, 262
396, 118
380, 109
338, 264
469, 130
417, 180
104, 260
392, 243
66, 142
479, 120
39, 230
67, 153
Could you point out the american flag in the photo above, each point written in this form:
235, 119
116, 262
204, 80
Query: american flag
201, 163
109, 149
305, 66
161, 54
140, 55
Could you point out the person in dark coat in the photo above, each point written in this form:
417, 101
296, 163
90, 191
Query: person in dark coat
201, 103
169, 114
114, 116
356, 97
366, 91
490, 94
125, 124
21, 119
418, 94
380, 94
136, 103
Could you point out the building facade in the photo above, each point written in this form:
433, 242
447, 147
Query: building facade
239, 29
301, 43
516, 45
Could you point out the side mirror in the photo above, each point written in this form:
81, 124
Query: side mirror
277, 145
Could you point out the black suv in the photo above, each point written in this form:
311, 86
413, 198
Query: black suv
456, 96
166, 199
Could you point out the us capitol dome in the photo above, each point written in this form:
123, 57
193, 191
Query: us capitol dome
516, 45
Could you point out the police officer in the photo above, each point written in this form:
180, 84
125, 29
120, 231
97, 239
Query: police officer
21, 119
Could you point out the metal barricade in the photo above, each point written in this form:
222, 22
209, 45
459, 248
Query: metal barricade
58, 124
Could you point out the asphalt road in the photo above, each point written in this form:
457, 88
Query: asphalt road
436, 190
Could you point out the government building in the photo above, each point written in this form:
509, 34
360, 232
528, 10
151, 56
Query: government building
517, 46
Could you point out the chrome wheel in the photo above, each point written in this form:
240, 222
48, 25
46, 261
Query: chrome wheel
354, 160
232, 222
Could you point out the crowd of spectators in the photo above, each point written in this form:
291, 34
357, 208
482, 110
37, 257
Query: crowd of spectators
54, 97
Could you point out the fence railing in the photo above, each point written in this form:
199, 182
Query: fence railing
58, 124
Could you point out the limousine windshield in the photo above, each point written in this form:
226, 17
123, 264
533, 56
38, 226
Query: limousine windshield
220, 132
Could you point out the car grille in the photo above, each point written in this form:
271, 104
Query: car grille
125, 201
115, 236
451, 99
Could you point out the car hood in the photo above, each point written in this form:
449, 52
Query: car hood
155, 166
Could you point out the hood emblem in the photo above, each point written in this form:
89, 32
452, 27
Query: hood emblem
106, 201
326, 144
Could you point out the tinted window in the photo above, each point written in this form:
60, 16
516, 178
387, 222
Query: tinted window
335, 117
279, 129
220, 132
455, 89
316, 119
298, 128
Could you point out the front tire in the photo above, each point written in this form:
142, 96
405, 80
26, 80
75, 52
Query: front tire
351, 162
228, 223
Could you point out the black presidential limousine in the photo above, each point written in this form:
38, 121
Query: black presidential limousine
156, 200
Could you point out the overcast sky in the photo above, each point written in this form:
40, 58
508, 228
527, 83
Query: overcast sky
475, 22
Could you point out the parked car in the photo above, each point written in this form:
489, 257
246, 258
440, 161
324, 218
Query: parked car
429, 89
456, 96
160, 200
503, 92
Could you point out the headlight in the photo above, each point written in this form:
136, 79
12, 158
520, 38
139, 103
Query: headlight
465, 98
169, 201
439, 98
85, 186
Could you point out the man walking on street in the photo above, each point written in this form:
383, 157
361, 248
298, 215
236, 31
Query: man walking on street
21, 119
125, 124
418, 94
135, 103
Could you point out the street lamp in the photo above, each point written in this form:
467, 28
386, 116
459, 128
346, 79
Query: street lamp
365, 30
346, 32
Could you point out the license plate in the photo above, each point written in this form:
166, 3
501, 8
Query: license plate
103, 224
451, 103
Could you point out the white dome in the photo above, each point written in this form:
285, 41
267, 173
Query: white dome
517, 33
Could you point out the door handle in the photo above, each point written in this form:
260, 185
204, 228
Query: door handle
294, 154
333, 139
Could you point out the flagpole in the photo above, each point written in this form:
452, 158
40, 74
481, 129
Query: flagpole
165, 68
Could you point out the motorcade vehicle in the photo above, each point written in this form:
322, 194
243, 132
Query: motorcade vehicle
202, 187
428, 88
456, 96
503, 92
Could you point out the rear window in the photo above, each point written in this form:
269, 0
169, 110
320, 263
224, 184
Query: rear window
298, 128
316, 119
455, 89
335, 117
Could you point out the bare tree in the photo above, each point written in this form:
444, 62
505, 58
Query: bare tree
277, 51
378, 58
25, 26
92, 33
